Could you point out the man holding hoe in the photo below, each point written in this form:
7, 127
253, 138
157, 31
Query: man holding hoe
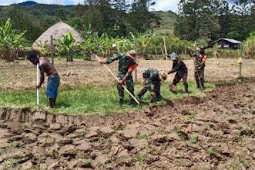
127, 65
46, 67
199, 60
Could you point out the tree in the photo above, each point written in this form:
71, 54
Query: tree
66, 46
241, 21
197, 19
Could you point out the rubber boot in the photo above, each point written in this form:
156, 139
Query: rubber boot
198, 85
186, 86
139, 98
202, 83
132, 102
121, 102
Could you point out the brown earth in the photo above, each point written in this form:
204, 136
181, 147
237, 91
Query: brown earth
22, 75
215, 132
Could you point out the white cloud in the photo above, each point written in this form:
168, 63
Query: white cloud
166, 5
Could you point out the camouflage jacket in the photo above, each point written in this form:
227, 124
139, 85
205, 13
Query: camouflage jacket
126, 66
152, 75
200, 60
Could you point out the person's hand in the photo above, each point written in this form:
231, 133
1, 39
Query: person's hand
189, 49
121, 82
102, 62
153, 94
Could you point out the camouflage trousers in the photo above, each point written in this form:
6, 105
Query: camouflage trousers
156, 88
128, 83
199, 76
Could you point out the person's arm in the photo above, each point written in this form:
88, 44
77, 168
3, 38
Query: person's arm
147, 84
176, 67
130, 70
41, 76
112, 59
191, 53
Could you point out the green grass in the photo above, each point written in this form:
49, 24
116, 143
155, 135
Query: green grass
92, 99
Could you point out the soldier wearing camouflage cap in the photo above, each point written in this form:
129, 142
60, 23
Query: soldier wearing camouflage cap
127, 64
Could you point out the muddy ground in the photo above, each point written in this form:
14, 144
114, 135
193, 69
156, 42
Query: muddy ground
215, 132
22, 75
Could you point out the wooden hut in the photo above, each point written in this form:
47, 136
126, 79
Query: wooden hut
225, 43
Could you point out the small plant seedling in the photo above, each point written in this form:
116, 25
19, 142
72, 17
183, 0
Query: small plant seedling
194, 139
144, 136
189, 117
207, 127
87, 161
82, 134
141, 158
9, 162
109, 161
235, 166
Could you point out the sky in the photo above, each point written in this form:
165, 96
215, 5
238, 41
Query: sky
163, 5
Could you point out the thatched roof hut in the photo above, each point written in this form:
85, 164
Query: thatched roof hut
57, 31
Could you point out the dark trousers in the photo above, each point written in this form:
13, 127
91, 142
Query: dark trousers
184, 77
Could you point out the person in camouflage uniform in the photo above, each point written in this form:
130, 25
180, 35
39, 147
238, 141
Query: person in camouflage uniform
199, 60
151, 76
127, 64
181, 71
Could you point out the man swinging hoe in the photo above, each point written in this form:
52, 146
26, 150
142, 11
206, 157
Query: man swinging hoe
127, 65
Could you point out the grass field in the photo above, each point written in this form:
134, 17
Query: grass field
91, 99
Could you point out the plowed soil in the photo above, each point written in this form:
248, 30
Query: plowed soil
215, 132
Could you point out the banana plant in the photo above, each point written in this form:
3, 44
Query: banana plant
11, 41
66, 46
43, 47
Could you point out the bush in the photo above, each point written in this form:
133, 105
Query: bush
249, 46
223, 53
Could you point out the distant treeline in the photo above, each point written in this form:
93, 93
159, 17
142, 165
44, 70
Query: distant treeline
213, 19
197, 19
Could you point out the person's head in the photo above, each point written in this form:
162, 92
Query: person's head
131, 54
173, 56
146, 75
202, 49
33, 57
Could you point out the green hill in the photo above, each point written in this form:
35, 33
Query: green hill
167, 22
